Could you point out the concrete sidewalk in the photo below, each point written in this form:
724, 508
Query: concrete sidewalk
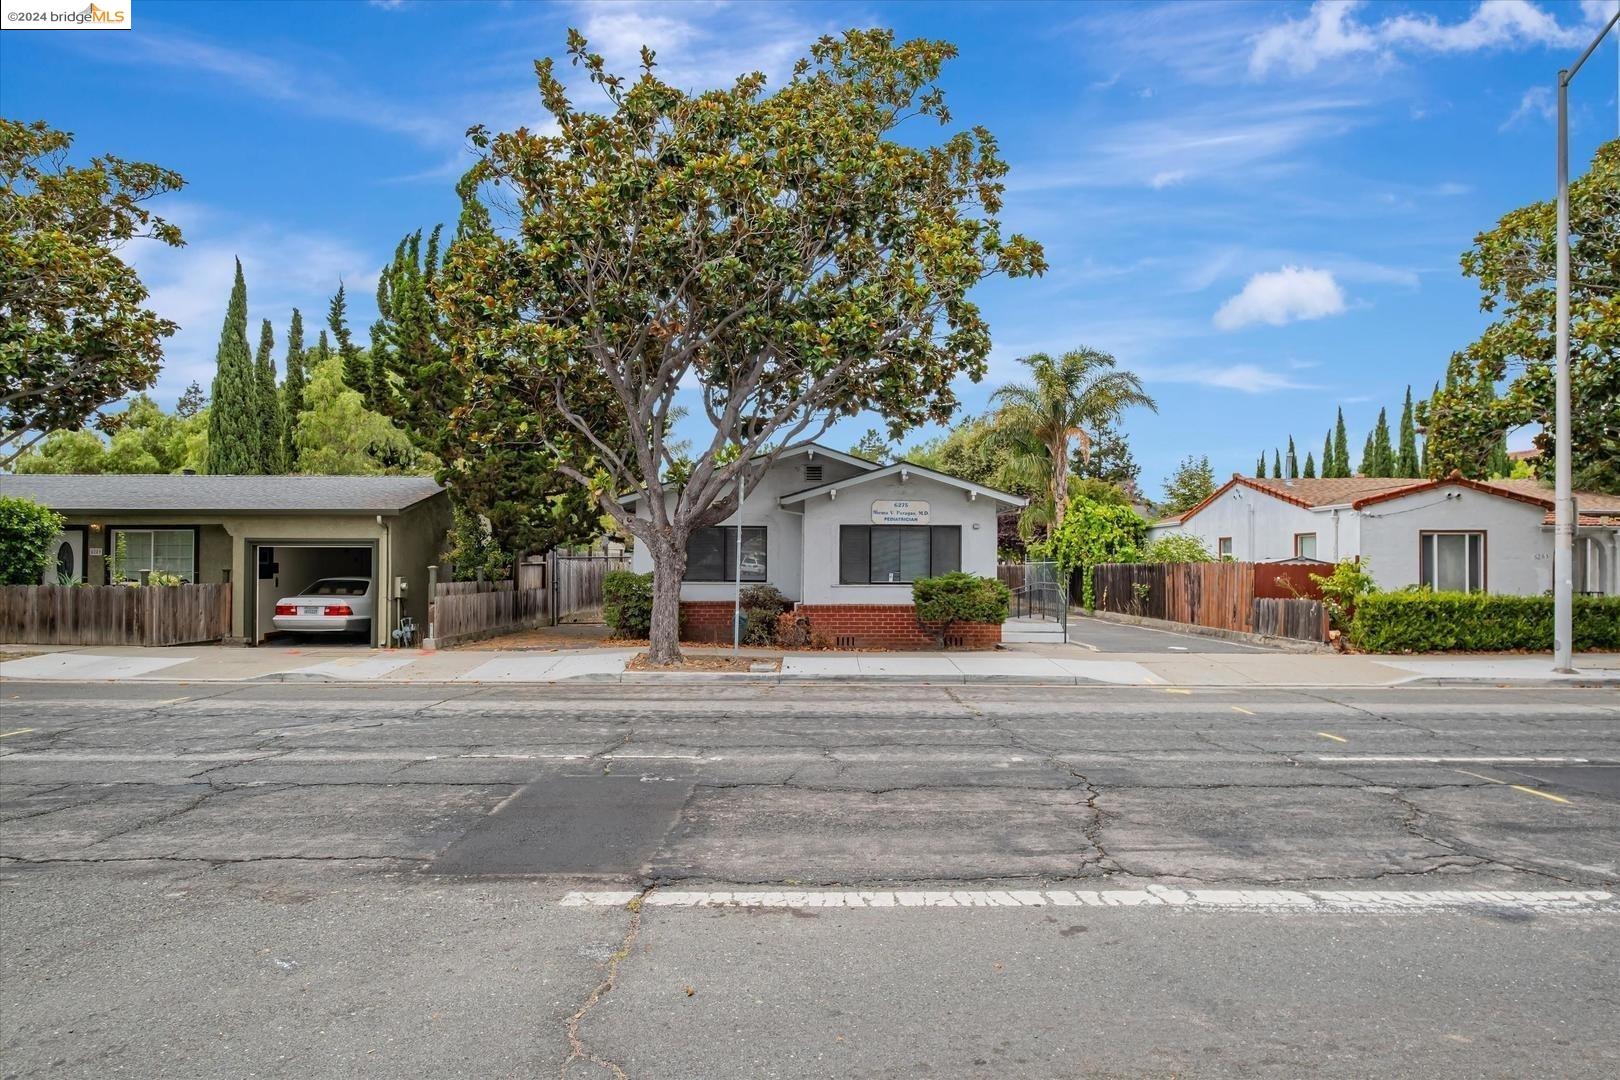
1046, 664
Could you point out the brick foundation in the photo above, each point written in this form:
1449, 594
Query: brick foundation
889, 626
846, 626
706, 620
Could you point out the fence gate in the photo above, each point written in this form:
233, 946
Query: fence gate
577, 595
1039, 591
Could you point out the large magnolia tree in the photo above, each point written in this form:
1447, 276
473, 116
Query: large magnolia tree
782, 254
75, 334
1516, 267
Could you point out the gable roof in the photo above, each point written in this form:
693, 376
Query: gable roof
811, 448
1004, 497
1593, 503
1309, 493
118, 493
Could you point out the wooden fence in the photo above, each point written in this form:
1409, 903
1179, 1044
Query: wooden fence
1289, 617
578, 580
114, 614
462, 610
1222, 595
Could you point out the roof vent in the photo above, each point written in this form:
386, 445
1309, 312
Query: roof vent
812, 474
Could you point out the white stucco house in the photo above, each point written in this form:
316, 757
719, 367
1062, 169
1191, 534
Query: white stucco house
843, 538
1451, 533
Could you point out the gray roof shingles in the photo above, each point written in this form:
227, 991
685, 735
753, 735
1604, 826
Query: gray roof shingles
114, 493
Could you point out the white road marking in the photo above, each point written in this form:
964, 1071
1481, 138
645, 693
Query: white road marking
1421, 760
1329, 901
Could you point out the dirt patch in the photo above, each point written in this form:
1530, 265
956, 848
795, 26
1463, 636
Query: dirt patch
545, 639
708, 663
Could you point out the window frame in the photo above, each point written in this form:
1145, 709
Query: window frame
728, 555
1298, 554
1424, 536
871, 529
1224, 548
113, 532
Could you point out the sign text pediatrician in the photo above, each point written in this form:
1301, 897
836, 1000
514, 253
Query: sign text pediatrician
899, 512
66, 14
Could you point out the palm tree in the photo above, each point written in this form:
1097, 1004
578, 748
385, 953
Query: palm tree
1078, 390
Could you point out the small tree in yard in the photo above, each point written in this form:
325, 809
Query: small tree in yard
784, 254
26, 532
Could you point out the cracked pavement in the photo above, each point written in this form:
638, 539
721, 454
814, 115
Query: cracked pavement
298, 880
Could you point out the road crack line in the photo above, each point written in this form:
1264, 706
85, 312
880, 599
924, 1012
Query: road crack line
577, 1049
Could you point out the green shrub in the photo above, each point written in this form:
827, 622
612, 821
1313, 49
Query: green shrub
26, 532
627, 603
759, 626
764, 598
1177, 548
1343, 589
1093, 533
1396, 622
959, 597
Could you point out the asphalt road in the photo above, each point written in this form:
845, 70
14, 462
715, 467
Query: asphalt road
309, 880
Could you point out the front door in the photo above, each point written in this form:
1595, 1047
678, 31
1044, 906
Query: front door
66, 565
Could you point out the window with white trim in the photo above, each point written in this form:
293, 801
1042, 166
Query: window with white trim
169, 551
897, 554
1304, 545
711, 553
1452, 561
1223, 547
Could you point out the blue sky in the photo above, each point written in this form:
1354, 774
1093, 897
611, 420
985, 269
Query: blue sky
1258, 207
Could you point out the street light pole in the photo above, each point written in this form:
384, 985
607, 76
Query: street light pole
1563, 491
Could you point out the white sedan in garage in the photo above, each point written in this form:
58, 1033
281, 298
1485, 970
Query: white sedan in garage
331, 605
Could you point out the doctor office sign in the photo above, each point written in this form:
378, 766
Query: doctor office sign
899, 512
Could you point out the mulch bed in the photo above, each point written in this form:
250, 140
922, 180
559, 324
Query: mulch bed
639, 662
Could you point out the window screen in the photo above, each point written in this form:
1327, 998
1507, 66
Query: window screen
711, 553
171, 551
1452, 562
897, 554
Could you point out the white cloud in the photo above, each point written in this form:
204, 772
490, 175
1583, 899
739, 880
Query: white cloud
1332, 31
1168, 178
699, 46
1537, 102
1282, 296
1247, 378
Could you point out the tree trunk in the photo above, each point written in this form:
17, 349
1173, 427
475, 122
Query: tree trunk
664, 636
1060, 483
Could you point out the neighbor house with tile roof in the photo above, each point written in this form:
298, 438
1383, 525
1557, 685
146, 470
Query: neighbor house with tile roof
1450, 533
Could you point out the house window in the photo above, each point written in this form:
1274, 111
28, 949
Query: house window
1223, 547
711, 553
169, 551
897, 554
1452, 561
1304, 545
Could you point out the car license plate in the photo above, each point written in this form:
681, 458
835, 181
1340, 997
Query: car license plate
309, 611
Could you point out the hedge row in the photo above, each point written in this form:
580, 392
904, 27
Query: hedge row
1398, 622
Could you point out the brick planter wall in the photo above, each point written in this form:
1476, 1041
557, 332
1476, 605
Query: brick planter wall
706, 620
890, 626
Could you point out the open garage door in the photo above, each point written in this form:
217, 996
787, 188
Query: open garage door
287, 570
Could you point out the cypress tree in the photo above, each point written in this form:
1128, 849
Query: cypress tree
1407, 463
1383, 451
1310, 466
1341, 448
1260, 467
233, 419
356, 372
1499, 466
264, 367
292, 391
1327, 454
1276, 464
1293, 460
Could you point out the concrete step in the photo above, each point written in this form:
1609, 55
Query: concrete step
1027, 636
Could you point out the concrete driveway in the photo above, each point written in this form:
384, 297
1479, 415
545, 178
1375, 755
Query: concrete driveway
1110, 637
